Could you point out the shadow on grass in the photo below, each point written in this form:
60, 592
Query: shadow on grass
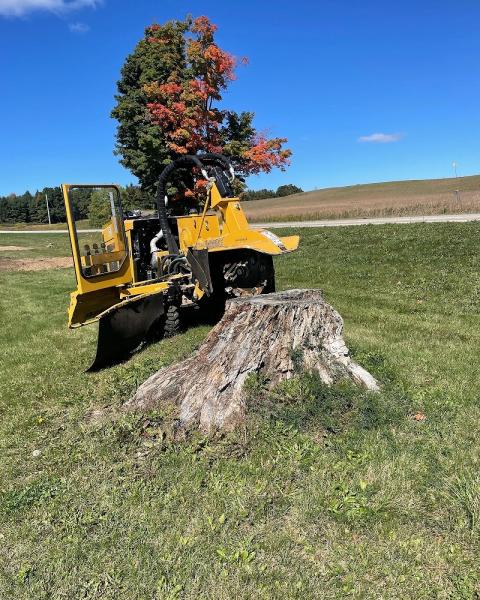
307, 403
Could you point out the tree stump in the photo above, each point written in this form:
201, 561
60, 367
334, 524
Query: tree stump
269, 334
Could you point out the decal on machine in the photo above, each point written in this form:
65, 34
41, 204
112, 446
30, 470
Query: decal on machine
275, 239
214, 243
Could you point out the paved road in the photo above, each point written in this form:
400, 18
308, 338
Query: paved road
461, 218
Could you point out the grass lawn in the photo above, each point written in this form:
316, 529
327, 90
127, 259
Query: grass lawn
34, 245
81, 224
328, 493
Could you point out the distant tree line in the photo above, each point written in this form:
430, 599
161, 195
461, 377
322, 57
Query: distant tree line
32, 208
283, 190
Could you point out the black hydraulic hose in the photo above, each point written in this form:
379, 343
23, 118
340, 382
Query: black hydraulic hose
178, 259
165, 258
161, 193
218, 158
184, 161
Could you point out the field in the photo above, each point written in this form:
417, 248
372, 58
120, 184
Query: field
390, 199
395, 198
328, 493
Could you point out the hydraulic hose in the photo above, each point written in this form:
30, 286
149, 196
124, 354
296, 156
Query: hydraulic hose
184, 161
176, 265
161, 193
219, 159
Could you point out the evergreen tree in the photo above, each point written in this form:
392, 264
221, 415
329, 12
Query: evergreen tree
133, 197
99, 210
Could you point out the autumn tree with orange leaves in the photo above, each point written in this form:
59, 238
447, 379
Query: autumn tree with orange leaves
169, 104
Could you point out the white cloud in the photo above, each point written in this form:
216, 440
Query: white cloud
19, 8
78, 27
381, 138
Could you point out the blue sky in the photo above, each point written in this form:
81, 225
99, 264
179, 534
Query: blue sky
365, 91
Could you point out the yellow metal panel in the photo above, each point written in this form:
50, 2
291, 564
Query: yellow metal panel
291, 242
234, 218
102, 258
215, 199
85, 308
86, 285
253, 239
194, 227
145, 288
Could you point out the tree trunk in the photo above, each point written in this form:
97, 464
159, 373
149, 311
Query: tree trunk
272, 334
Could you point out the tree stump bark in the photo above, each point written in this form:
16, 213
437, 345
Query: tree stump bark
269, 334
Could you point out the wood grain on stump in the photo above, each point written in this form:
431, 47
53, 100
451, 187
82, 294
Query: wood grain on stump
269, 334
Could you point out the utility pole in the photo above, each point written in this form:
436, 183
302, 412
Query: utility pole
48, 210
457, 191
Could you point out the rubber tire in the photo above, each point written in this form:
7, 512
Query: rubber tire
172, 321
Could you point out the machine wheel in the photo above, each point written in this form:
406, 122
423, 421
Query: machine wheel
173, 321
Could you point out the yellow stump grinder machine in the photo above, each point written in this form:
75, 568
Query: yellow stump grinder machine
138, 276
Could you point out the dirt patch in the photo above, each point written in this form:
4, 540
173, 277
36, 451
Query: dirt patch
13, 248
37, 264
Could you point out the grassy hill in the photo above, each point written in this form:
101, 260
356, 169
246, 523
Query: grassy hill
327, 493
394, 198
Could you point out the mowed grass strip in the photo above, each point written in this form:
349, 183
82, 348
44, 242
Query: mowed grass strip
328, 493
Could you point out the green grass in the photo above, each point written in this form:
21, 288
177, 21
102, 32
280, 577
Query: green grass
81, 224
328, 493
35, 245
